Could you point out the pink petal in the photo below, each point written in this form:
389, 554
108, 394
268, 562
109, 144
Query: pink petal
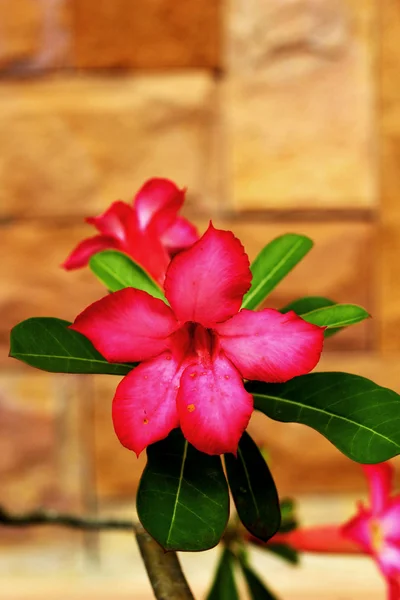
380, 482
207, 282
129, 325
389, 560
179, 236
83, 252
145, 248
213, 406
390, 520
114, 221
144, 406
393, 588
158, 201
326, 539
269, 346
359, 531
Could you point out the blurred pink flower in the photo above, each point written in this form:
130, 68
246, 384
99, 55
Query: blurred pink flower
374, 530
150, 231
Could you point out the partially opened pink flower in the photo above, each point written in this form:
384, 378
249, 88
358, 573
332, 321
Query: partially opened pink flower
195, 353
150, 231
377, 528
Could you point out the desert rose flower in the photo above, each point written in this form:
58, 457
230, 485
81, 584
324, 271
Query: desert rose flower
150, 230
377, 528
374, 530
195, 353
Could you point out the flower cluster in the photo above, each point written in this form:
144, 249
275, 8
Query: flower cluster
195, 348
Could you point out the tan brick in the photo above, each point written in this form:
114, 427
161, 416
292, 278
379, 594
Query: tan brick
73, 145
150, 34
302, 460
40, 461
117, 469
33, 33
389, 127
300, 106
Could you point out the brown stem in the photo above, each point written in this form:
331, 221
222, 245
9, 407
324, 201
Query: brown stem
163, 568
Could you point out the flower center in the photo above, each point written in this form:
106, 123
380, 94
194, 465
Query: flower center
204, 342
376, 533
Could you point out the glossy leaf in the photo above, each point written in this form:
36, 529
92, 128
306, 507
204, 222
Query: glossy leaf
358, 416
47, 344
183, 498
284, 551
253, 490
337, 316
325, 312
117, 271
224, 586
257, 589
288, 515
273, 263
307, 304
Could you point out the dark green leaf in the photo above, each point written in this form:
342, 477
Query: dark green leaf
325, 312
273, 263
288, 515
307, 304
48, 344
288, 507
337, 316
183, 497
284, 551
117, 271
358, 416
253, 490
288, 525
257, 589
223, 586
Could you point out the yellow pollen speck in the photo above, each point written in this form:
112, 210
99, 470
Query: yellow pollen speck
145, 421
194, 374
377, 537
191, 407
226, 376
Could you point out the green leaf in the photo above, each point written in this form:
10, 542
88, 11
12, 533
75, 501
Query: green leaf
284, 552
307, 304
326, 313
358, 416
337, 316
288, 515
288, 507
273, 263
257, 589
253, 490
224, 586
117, 271
47, 344
183, 497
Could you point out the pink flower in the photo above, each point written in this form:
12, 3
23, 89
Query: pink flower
149, 231
195, 353
376, 529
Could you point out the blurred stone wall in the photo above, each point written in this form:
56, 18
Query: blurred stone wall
278, 115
